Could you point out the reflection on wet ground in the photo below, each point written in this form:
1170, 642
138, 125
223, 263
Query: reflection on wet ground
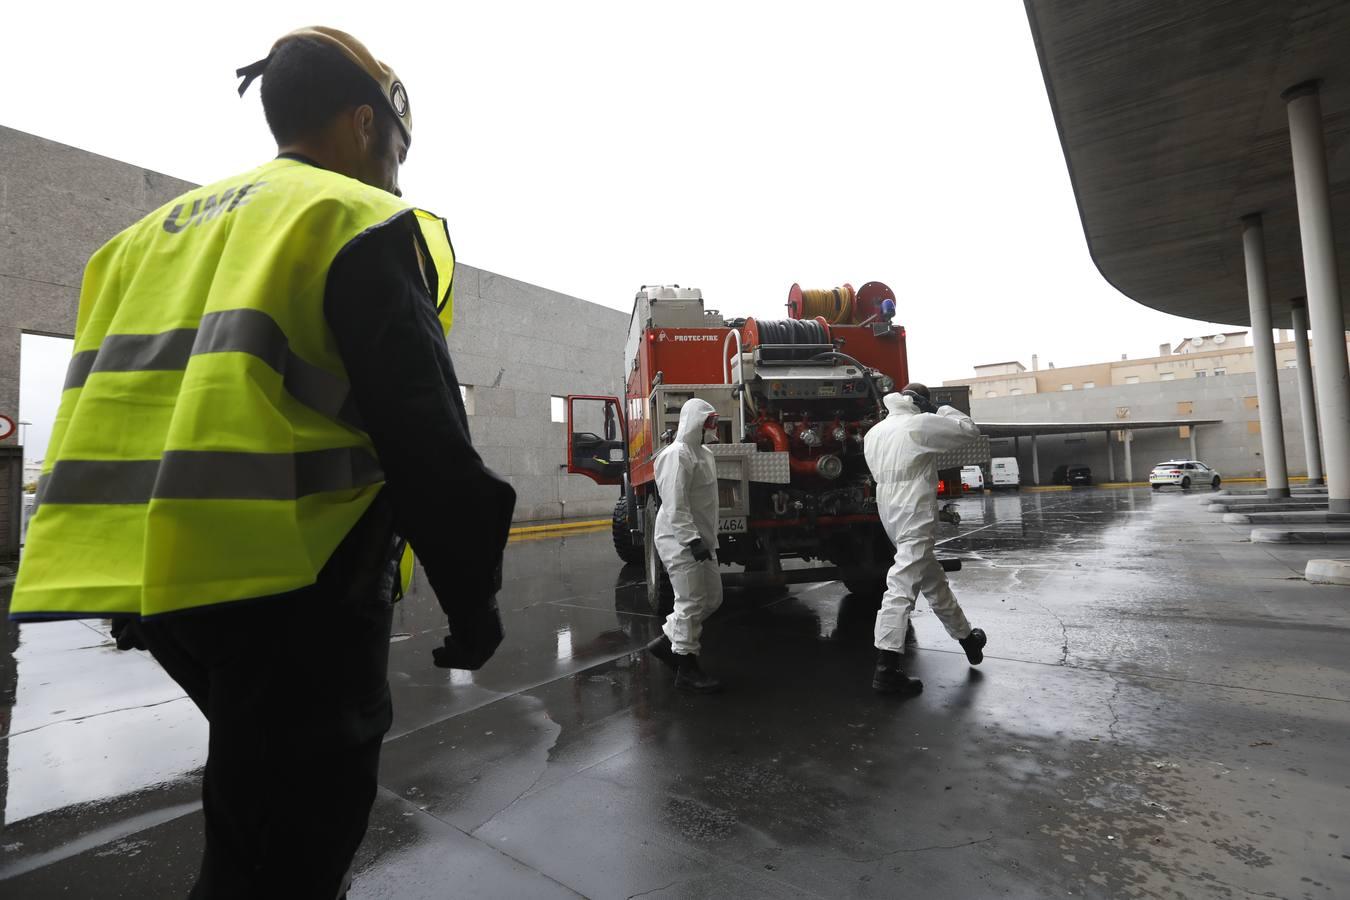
1163, 712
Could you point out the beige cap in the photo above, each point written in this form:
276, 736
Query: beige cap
390, 87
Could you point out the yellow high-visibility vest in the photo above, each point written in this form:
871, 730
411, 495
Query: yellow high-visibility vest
207, 448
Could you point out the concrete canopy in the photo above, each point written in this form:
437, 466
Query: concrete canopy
1031, 429
1173, 129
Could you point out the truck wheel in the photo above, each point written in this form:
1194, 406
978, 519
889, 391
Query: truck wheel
1186, 483
870, 587
660, 595
623, 542
1215, 483
869, 590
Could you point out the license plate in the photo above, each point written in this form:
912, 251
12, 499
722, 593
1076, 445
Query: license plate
731, 525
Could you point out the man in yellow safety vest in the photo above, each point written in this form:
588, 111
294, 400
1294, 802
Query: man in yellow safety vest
260, 411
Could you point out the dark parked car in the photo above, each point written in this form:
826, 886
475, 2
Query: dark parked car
1072, 475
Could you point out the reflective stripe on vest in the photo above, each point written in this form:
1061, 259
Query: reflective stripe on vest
249, 331
207, 448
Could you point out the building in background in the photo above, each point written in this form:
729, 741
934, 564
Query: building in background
1230, 439
1208, 377
1207, 356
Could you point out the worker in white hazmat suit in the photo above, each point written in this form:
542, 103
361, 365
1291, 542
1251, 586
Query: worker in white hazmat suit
901, 452
686, 541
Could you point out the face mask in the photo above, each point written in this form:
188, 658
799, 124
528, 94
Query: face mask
710, 430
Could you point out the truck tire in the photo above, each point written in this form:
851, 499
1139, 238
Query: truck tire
869, 590
870, 587
623, 542
660, 595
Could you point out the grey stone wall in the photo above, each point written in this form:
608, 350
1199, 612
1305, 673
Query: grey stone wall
57, 205
515, 343
1231, 447
516, 346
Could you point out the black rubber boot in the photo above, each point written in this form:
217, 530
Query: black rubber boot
889, 679
661, 649
689, 676
911, 639
973, 644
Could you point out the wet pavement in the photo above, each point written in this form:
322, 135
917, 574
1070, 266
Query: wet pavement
1164, 711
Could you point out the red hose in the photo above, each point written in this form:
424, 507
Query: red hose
773, 432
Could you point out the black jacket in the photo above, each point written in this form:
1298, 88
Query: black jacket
439, 495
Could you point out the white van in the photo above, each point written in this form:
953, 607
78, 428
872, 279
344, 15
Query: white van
1004, 472
972, 478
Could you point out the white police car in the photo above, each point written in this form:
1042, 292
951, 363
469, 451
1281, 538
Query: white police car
1184, 473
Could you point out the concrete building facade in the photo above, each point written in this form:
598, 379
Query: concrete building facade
1233, 447
1199, 357
515, 345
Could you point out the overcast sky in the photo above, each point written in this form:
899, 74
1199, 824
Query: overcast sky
595, 147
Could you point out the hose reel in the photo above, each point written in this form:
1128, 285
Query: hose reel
788, 339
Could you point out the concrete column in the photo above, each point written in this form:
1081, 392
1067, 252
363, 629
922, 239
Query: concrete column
1332, 374
1312, 443
1129, 463
1110, 458
1194, 455
1035, 462
1263, 350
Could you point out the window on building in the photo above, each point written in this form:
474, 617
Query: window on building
1168, 376
1201, 373
1218, 370
466, 394
1291, 364
1131, 379
559, 405
1089, 385
1015, 392
989, 394
1066, 387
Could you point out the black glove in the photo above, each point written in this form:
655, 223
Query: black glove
700, 550
474, 636
922, 402
126, 630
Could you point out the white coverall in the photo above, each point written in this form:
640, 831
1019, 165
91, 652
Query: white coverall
686, 477
901, 451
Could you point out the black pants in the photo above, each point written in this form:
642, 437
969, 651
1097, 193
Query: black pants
296, 691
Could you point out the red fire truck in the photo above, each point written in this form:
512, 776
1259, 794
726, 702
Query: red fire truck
795, 398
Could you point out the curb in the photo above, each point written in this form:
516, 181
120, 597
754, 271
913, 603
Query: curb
1298, 517
1328, 571
1329, 535
523, 530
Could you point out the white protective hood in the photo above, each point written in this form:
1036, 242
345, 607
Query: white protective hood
686, 478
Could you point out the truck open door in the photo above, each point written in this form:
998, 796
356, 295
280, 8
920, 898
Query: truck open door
597, 438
